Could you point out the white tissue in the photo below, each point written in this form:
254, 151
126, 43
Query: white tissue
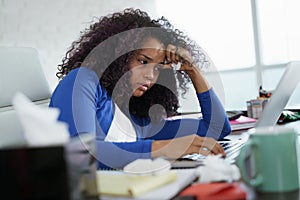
148, 166
40, 124
218, 169
176, 66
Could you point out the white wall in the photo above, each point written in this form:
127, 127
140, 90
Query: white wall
51, 25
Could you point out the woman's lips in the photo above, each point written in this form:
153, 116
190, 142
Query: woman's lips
143, 87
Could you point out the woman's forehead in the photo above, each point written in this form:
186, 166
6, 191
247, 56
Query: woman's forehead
153, 43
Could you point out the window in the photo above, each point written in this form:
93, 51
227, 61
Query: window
279, 30
225, 29
222, 28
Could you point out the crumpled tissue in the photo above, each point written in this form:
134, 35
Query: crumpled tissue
217, 169
148, 166
40, 124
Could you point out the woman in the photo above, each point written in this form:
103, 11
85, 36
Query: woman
119, 81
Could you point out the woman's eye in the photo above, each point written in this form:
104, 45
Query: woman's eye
143, 62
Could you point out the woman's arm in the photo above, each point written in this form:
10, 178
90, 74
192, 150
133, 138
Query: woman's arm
118, 154
175, 148
213, 112
199, 82
76, 95
178, 54
86, 108
213, 123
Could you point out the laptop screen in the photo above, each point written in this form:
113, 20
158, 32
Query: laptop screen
281, 95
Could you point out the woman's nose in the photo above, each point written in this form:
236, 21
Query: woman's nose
149, 72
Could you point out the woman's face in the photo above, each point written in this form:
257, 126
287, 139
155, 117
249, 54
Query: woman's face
146, 65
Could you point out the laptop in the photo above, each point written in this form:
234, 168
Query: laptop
276, 104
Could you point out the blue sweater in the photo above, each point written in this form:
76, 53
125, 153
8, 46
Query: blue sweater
120, 137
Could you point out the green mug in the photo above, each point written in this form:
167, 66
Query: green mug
269, 159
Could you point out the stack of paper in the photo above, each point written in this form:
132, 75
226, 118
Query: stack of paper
242, 122
118, 183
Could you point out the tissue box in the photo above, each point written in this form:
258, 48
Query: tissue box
34, 173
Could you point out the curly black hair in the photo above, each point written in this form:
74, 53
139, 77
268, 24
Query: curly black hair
108, 46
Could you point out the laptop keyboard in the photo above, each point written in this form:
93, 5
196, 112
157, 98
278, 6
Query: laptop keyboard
231, 148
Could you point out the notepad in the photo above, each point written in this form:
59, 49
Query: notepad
242, 122
118, 183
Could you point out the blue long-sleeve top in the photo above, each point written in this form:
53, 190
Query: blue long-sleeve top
120, 137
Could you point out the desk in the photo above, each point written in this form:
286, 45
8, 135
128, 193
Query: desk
166, 192
253, 195
170, 191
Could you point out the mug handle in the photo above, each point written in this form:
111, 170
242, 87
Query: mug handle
257, 180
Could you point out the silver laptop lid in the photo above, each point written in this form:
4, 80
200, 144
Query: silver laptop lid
281, 95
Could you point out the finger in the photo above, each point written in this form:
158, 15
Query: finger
218, 149
177, 56
204, 151
173, 54
176, 66
167, 65
213, 146
184, 56
170, 52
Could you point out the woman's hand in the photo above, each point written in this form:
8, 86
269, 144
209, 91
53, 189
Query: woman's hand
180, 56
175, 55
178, 147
